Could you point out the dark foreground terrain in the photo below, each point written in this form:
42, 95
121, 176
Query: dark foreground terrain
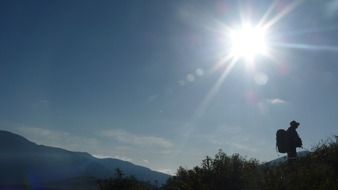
26, 165
314, 170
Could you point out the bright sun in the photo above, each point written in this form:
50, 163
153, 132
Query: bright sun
248, 41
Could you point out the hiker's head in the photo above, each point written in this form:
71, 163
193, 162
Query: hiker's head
294, 124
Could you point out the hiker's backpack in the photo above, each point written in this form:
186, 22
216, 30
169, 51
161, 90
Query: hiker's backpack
282, 141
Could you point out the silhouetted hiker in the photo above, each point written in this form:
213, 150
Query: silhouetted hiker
294, 141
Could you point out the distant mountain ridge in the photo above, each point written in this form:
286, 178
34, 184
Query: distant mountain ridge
26, 162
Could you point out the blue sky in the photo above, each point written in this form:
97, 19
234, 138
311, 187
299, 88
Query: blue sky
132, 79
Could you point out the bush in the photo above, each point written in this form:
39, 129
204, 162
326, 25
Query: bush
124, 183
222, 172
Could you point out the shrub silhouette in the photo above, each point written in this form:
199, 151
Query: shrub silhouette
222, 172
124, 183
317, 170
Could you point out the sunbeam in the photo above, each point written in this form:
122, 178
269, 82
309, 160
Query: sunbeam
283, 13
307, 47
213, 91
308, 31
267, 13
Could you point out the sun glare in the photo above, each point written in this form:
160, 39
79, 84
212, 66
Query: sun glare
248, 41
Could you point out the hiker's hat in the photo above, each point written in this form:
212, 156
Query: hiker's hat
294, 123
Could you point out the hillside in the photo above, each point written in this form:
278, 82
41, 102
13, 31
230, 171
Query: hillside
313, 170
26, 162
283, 159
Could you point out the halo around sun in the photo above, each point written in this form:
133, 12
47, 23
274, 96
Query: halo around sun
248, 41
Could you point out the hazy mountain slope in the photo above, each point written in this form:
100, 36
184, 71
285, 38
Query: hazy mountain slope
27, 162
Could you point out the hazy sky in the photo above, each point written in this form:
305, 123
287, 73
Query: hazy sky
138, 80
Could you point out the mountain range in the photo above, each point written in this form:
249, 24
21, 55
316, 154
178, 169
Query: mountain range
23, 162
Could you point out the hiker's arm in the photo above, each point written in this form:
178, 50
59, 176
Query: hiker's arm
298, 140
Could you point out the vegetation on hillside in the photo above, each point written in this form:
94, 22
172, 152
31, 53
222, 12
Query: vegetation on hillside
120, 181
317, 170
221, 172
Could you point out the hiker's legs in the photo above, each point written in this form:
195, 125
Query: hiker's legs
292, 155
